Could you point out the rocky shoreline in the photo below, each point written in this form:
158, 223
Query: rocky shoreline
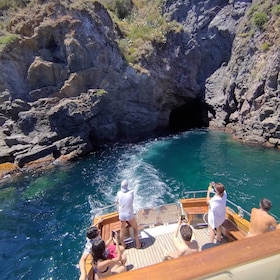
66, 89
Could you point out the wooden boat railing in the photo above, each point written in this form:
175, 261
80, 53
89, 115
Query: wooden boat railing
231, 205
193, 205
235, 227
236, 208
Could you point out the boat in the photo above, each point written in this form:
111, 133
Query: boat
237, 257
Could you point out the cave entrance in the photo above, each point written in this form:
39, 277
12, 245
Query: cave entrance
191, 115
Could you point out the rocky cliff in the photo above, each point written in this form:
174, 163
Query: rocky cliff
66, 88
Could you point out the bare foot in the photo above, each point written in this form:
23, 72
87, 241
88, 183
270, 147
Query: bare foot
139, 246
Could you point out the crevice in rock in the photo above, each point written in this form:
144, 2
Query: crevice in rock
191, 115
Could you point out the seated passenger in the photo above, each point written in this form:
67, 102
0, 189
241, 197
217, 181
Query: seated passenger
261, 221
105, 265
183, 243
93, 237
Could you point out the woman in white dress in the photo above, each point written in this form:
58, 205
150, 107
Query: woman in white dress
216, 210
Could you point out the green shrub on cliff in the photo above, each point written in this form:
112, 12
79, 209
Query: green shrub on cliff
260, 19
7, 39
265, 46
7, 4
141, 23
121, 8
276, 10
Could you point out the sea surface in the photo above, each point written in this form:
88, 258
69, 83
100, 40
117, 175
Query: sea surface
43, 216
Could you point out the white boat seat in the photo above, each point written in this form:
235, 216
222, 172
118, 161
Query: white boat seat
168, 213
147, 217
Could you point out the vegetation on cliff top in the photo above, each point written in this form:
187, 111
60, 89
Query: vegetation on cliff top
141, 22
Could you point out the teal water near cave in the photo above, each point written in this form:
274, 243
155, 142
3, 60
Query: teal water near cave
43, 216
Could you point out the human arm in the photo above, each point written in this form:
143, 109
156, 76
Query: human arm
108, 241
274, 224
175, 235
100, 220
117, 201
208, 192
119, 254
176, 239
110, 262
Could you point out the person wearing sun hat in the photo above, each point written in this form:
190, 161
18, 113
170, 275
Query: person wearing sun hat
124, 200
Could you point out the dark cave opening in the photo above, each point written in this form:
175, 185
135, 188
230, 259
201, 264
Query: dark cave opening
191, 115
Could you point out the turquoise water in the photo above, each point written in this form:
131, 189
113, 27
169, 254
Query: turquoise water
43, 217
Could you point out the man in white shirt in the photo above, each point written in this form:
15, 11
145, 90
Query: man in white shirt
124, 200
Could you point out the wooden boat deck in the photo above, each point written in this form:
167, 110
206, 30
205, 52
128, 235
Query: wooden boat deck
256, 257
236, 256
156, 242
157, 228
157, 235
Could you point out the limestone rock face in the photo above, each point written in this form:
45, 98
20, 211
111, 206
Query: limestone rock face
65, 87
244, 94
71, 90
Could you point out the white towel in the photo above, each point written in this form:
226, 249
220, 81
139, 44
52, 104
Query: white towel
217, 210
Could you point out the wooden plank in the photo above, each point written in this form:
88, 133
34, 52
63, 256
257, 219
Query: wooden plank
231, 230
193, 202
211, 261
108, 218
193, 211
89, 268
240, 222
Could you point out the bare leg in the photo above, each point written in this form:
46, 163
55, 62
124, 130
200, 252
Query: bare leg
168, 255
135, 232
219, 233
116, 269
123, 259
212, 234
123, 225
122, 248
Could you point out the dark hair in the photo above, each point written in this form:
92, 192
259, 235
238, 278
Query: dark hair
92, 232
186, 232
219, 188
265, 204
98, 250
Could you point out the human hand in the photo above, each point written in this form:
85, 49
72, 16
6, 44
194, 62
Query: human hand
83, 277
211, 185
115, 237
100, 220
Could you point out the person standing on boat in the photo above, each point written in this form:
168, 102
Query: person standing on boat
216, 210
124, 200
261, 221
